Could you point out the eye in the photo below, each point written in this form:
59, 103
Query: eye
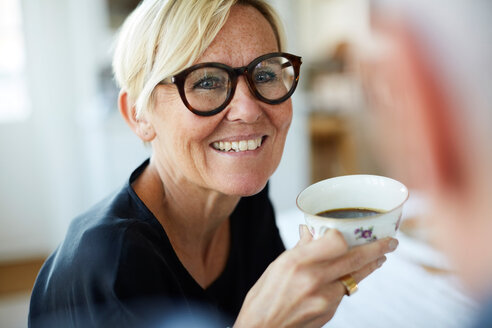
208, 83
264, 76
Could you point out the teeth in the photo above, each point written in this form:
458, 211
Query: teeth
237, 146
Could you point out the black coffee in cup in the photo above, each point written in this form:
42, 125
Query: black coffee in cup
349, 213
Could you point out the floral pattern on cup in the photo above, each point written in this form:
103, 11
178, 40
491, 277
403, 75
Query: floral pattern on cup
365, 234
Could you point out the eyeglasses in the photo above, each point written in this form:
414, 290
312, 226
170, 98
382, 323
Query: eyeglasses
207, 88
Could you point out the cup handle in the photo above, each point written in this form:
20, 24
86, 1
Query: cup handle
322, 231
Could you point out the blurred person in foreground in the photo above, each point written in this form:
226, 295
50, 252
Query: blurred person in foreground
430, 84
193, 232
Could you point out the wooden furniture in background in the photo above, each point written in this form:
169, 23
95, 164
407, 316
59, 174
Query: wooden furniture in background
333, 150
19, 276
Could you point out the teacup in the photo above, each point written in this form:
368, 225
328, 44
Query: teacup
365, 192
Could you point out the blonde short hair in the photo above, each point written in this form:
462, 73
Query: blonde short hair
162, 37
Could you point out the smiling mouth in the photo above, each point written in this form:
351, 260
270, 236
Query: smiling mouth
238, 146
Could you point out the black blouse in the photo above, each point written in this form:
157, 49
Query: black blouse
117, 268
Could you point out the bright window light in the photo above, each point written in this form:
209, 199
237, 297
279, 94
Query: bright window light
14, 99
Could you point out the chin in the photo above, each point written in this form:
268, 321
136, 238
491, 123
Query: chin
244, 187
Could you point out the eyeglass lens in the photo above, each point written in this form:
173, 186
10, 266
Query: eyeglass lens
207, 88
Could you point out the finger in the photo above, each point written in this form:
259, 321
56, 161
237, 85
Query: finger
326, 248
305, 235
360, 256
361, 274
369, 268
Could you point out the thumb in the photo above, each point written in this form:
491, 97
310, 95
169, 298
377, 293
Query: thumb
305, 235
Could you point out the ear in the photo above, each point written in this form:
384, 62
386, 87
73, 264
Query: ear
140, 126
441, 133
424, 141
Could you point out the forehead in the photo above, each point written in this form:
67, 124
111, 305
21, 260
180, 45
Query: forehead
246, 35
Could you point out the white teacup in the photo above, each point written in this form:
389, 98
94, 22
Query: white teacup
354, 191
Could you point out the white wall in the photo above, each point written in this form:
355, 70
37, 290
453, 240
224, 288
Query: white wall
322, 24
31, 152
70, 151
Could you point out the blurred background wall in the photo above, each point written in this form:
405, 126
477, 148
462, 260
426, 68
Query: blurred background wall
63, 145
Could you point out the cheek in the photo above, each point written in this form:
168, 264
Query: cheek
282, 125
181, 136
282, 118
187, 137
173, 120
288, 119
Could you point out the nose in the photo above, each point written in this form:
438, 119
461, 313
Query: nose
244, 106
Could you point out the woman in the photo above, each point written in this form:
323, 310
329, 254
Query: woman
205, 84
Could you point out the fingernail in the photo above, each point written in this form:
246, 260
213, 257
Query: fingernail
301, 230
381, 260
392, 244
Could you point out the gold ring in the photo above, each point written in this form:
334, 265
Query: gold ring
349, 283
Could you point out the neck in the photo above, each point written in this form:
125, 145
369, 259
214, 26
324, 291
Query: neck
195, 219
